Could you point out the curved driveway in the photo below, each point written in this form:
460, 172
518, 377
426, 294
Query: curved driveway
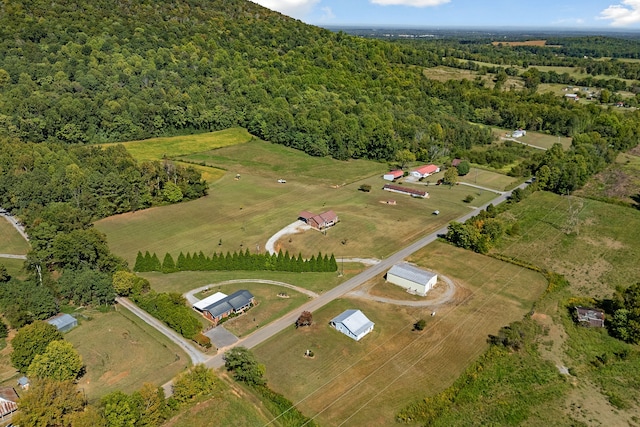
441, 299
192, 299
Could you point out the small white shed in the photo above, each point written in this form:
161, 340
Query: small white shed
352, 323
412, 278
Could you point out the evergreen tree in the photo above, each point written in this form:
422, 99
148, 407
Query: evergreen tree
227, 262
188, 262
154, 264
180, 263
148, 262
215, 261
311, 264
300, 264
168, 265
139, 262
333, 265
326, 264
202, 261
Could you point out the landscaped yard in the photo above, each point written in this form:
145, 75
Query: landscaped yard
270, 305
121, 352
367, 382
11, 242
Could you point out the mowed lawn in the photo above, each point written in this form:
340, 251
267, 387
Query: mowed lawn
596, 247
169, 147
489, 179
11, 242
243, 213
121, 352
367, 382
14, 267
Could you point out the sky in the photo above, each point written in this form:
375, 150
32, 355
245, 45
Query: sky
560, 14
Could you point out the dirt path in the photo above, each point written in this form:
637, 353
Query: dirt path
12, 256
523, 143
441, 299
479, 187
190, 296
293, 228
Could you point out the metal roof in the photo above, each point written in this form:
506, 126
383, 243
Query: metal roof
62, 320
354, 320
210, 300
412, 273
232, 302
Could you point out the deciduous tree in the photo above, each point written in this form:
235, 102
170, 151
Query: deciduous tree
60, 362
31, 341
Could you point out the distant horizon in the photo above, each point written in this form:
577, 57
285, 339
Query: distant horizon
560, 15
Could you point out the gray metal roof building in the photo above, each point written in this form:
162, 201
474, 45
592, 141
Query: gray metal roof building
353, 323
64, 322
412, 278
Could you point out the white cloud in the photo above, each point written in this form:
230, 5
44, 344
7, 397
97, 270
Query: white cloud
294, 8
414, 3
327, 14
622, 15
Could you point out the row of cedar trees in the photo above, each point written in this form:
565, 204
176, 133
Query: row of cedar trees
236, 261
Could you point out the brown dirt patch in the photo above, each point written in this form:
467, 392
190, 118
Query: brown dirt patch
586, 277
112, 378
607, 242
635, 151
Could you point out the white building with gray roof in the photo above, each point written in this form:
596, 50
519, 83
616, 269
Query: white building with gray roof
412, 278
352, 323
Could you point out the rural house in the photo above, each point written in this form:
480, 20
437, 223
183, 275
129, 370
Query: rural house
218, 306
590, 317
64, 322
405, 190
8, 401
425, 171
390, 176
412, 278
319, 222
352, 323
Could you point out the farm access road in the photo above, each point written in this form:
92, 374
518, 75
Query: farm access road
289, 319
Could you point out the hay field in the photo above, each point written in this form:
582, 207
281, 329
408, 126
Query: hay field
243, 213
367, 382
121, 352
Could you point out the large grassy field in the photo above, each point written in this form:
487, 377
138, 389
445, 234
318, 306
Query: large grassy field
489, 179
11, 242
14, 267
121, 352
169, 147
594, 244
367, 382
243, 213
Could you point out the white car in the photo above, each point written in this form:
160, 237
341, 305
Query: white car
282, 181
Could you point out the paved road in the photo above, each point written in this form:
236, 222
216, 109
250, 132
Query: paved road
288, 320
195, 355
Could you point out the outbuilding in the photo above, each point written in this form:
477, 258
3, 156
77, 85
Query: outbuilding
353, 323
63, 322
412, 278
393, 175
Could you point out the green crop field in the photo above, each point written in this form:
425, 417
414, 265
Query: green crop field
11, 242
169, 147
367, 382
121, 352
243, 213
593, 243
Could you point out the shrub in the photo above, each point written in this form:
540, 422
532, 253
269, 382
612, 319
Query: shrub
365, 187
202, 340
420, 325
469, 198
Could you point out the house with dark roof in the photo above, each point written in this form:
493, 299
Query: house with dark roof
8, 401
236, 303
425, 171
415, 280
63, 322
590, 317
321, 221
352, 323
406, 190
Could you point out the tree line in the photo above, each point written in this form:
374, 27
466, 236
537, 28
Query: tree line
242, 260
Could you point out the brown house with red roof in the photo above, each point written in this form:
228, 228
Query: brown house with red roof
321, 221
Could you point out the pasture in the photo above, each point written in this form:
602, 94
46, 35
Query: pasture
11, 242
367, 382
121, 352
270, 305
594, 244
169, 147
243, 213
620, 181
